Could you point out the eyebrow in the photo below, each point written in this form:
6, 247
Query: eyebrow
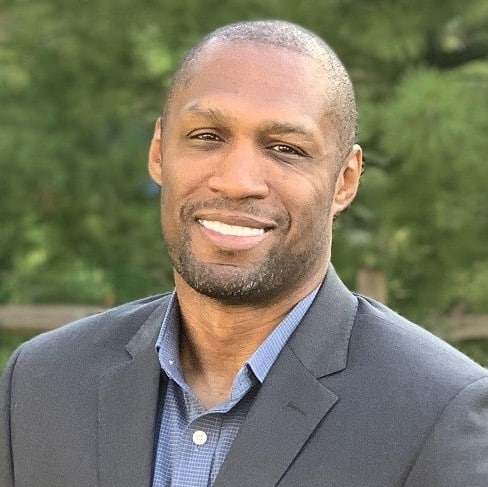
282, 128
210, 113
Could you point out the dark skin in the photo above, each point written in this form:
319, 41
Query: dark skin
250, 126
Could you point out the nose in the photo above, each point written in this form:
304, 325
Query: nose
239, 174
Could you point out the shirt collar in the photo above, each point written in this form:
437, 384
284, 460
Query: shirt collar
167, 344
267, 353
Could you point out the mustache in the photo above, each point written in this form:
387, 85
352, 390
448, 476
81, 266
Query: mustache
247, 207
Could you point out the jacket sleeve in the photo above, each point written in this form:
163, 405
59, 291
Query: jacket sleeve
6, 457
456, 451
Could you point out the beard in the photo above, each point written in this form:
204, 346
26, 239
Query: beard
277, 272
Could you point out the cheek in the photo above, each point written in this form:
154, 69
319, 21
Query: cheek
175, 191
183, 176
170, 208
309, 198
310, 210
184, 185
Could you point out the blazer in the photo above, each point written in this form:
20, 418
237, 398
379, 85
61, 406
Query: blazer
358, 397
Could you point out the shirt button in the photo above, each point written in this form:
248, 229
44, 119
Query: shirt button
199, 437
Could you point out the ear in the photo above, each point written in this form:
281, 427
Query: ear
347, 182
154, 157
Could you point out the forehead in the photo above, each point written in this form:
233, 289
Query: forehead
265, 76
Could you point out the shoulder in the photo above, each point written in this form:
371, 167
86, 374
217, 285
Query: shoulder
405, 349
412, 385
89, 339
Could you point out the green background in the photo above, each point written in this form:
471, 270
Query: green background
81, 84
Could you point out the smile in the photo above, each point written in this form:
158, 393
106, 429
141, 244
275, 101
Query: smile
231, 230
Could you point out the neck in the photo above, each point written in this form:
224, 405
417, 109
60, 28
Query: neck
218, 338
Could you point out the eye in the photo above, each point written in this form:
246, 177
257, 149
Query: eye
210, 136
286, 149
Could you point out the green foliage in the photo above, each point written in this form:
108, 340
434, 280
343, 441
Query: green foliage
435, 215
79, 91
77, 221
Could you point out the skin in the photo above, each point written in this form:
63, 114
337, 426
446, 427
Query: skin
247, 142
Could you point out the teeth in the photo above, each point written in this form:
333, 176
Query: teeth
233, 230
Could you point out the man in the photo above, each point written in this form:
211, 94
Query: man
261, 369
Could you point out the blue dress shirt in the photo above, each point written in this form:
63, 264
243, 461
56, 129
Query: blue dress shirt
193, 441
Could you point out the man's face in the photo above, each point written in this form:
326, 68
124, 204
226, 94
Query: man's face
248, 173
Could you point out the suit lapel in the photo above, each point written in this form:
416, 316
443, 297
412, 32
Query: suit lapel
292, 401
285, 414
128, 406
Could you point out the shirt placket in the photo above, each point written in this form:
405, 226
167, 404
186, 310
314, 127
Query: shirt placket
197, 451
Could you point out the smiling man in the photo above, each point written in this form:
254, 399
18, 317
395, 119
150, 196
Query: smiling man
261, 368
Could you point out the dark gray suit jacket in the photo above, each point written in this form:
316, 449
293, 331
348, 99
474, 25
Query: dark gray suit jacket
359, 397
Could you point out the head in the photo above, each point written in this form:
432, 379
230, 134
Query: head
255, 155
339, 95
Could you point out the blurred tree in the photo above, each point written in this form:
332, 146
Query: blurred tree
77, 223
79, 90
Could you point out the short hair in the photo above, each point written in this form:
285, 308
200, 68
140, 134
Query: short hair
295, 38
